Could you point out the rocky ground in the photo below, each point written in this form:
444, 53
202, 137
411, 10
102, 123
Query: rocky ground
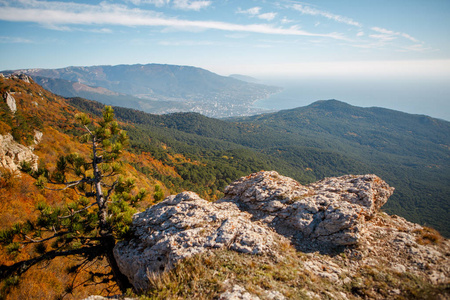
330, 234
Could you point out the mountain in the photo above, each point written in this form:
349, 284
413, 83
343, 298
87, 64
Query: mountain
155, 88
354, 251
410, 151
330, 138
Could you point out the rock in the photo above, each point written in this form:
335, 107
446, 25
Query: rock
274, 295
24, 77
260, 212
185, 225
10, 101
13, 153
333, 210
37, 137
238, 293
118, 297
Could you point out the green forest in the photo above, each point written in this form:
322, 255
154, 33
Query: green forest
326, 138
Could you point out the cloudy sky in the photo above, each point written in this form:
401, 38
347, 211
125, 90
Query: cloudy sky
281, 37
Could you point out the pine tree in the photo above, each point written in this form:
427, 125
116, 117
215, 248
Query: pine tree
90, 226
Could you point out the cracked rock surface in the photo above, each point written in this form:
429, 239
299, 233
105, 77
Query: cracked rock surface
263, 211
185, 225
332, 211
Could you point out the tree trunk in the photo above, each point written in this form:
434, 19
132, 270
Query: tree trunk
107, 239
108, 242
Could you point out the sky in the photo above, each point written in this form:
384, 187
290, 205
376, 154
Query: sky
388, 39
314, 38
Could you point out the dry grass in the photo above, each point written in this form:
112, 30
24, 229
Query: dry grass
428, 236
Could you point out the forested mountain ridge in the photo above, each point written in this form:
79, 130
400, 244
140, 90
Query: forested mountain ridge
410, 151
155, 88
332, 138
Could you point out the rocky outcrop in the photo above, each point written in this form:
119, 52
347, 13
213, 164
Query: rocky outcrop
10, 101
332, 211
185, 225
13, 153
262, 212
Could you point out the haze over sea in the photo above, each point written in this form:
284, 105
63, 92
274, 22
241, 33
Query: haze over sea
415, 96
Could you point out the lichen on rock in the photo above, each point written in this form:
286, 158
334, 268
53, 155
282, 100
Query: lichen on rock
331, 211
262, 213
185, 225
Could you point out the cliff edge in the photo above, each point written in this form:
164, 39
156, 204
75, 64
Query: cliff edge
332, 230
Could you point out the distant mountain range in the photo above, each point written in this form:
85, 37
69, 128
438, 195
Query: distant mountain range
155, 88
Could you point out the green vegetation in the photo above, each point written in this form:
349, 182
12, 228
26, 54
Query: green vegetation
90, 225
327, 138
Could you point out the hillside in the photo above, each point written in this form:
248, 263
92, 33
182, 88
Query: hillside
327, 138
410, 151
155, 88
36, 127
173, 153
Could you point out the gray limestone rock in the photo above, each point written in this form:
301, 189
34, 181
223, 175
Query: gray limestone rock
185, 225
342, 211
10, 101
237, 293
333, 210
13, 153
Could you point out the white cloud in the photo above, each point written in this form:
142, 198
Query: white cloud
391, 33
416, 48
185, 43
256, 12
14, 40
178, 4
157, 3
268, 16
307, 10
251, 11
286, 20
382, 30
191, 5
57, 13
383, 37
360, 33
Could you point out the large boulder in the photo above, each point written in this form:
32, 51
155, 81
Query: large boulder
185, 225
13, 153
331, 211
10, 101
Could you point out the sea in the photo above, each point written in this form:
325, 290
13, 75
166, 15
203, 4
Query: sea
416, 96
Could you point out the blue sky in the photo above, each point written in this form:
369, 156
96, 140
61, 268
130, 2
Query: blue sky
257, 38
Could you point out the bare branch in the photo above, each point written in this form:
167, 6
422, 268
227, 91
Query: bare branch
69, 184
43, 240
111, 189
88, 130
78, 211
